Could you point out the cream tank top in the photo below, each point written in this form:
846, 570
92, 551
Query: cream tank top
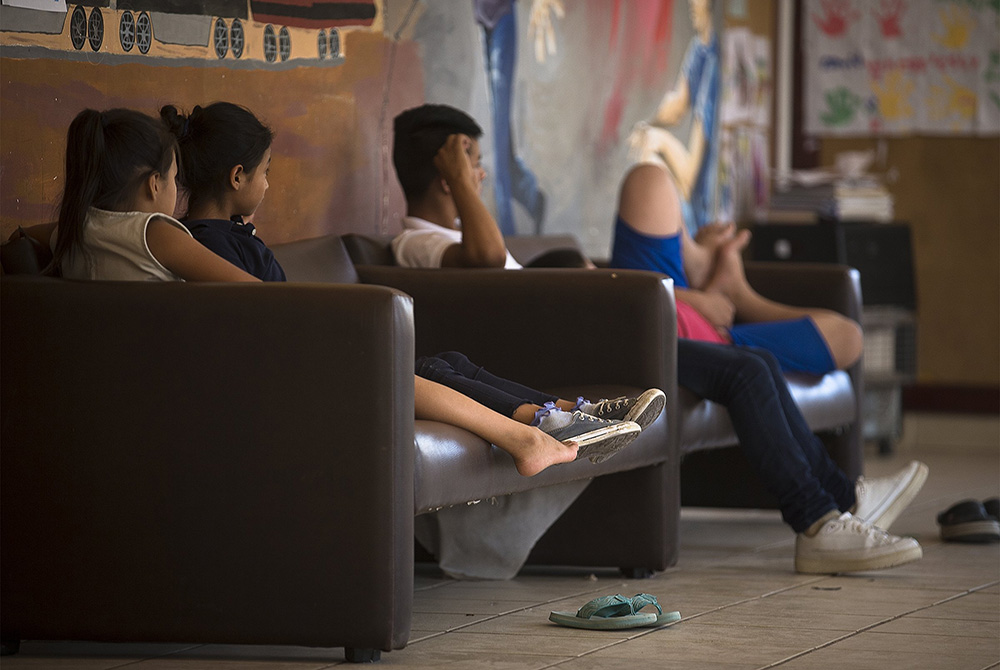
114, 248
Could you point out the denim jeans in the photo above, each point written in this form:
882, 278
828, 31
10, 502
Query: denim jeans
792, 462
512, 179
457, 372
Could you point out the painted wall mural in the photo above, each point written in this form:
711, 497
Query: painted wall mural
320, 83
188, 28
890, 67
564, 90
585, 73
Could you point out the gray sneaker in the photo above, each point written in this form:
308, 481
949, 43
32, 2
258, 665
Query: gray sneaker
643, 409
599, 439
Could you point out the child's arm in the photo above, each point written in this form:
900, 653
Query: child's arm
482, 243
674, 104
186, 257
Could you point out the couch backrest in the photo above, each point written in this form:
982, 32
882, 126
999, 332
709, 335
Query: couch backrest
318, 259
22, 254
367, 250
546, 251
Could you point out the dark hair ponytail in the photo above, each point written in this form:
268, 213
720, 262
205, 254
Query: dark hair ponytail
213, 140
108, 156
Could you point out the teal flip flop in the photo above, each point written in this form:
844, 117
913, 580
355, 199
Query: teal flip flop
615, 613
640, 600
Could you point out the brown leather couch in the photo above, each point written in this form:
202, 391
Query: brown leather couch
713, 471
240, 464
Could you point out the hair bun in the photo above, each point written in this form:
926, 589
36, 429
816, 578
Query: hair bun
176, 122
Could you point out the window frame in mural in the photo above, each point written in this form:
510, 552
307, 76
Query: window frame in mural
264, 31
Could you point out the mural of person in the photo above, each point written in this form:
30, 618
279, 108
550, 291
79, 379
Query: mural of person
513, 179
692, 165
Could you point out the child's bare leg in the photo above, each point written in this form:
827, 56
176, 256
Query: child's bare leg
531, 449
649, 203
843, 336
728, 275
526, 412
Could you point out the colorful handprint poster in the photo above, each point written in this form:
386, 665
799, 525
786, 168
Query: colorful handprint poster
894, 67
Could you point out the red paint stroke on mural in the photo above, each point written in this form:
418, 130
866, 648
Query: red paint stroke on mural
913, 64
955, 61
889, 15
648, 26
839, 15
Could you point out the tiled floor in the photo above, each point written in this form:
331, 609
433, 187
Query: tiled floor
742, 604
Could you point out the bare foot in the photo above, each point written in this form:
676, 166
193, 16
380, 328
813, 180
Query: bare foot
533, 451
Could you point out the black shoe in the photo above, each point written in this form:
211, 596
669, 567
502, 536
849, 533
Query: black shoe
992, 507
968, 521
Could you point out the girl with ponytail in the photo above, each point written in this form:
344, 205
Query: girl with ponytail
115, 215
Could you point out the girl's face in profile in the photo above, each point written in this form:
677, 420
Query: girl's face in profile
165, 201
253, 193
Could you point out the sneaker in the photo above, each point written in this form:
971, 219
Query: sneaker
643, 409
846, 544
882, 499
599, 439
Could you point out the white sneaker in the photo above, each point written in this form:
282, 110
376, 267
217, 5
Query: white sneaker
882, 499
846, 544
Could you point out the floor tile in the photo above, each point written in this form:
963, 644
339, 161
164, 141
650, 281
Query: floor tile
744, 607
86, 655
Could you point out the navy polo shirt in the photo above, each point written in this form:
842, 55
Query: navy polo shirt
238, 243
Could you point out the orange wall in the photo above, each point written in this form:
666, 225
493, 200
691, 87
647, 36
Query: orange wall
948, 190
325, 178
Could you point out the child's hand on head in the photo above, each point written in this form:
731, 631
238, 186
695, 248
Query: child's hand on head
453, 161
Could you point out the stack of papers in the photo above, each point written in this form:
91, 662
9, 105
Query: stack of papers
865, 200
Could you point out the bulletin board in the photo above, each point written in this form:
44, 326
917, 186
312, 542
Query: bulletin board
901, 67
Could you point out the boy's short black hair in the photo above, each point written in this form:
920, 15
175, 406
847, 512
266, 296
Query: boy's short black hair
418, 134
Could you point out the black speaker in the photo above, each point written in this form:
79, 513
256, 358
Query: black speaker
881, 252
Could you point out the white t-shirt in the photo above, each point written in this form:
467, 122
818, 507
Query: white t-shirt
422, 244
114, 248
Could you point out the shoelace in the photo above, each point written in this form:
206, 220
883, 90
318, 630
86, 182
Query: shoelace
855, 525
613, 405
588, 417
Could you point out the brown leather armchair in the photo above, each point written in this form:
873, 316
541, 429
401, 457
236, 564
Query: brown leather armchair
240, 464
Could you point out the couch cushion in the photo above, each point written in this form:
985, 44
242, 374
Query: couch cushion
453, 466
826, 402
319, 259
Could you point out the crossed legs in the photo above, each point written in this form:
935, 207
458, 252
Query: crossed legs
650, 203
531, 449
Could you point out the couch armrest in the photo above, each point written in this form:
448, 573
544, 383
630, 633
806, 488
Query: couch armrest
201, 462
546, 327
827, 285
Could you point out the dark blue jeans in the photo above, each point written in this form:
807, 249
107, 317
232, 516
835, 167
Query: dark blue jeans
792, 462
513, 180
457, 372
